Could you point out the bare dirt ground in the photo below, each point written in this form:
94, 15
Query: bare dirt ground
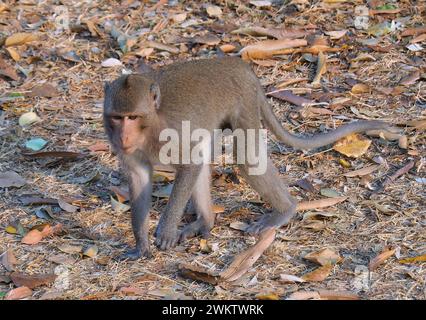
372, 220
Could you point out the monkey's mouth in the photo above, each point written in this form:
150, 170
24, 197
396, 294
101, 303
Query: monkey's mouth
129, 150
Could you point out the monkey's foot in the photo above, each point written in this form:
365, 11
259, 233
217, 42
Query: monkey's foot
166, 239
198, 227
135, 254
271, 220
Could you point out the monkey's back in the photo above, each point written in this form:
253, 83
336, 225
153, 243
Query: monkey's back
218, 89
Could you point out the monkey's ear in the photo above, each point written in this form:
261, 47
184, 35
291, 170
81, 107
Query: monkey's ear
107, 86
155, 94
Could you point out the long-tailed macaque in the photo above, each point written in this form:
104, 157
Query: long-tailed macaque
211, 94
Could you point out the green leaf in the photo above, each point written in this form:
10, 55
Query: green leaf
36, 144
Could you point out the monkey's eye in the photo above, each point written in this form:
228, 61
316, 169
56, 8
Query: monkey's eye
133, 117
116, 118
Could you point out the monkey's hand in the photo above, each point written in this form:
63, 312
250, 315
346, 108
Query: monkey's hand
274, 219
166, 237
135, 254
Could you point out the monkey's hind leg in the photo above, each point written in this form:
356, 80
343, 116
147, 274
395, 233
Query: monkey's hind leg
272, 189
203, 206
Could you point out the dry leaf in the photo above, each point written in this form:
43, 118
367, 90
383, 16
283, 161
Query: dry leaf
363, 171
278, 33
121, 193
290, 278
32, 281
91, 251
304, 295
214, 11
11, 179
268, 48
336, 34
267, 296
337, 295
178, 18
8, 260
243, 261
238, 225
20, 38
19, 293
66, 206
198, 274
352, 145
204, 246
70, 248
32, 237
227, 48
14, 54
360, 88
7, 70
382, 257
421, 258
317, 204
321, 69
44, 90
323, 257
318, 274
218, 209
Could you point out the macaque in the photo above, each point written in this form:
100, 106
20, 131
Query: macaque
211, 94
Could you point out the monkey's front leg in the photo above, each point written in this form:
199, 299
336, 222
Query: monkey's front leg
140, 176
167, 231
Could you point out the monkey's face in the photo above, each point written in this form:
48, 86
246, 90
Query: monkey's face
130, 112
129, 132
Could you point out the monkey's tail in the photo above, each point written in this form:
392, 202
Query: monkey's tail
318, 140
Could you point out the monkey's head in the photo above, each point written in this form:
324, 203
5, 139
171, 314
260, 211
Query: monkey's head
130, 110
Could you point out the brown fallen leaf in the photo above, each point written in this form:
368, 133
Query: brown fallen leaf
243, 261
32, 281
122, 194
268, 48
352, 145
208, 39
304, 295
290, 278
132, 291
20, 38
30, 200
278, 33
34, 236
318, 274
421, 258
362, 172
218, 209
317, 204
66, 206
321, 69
267, 296
70, 248
11, 179
384, 134
198, 274
382, 257
53, 154
400, 172
99, 146
18, 293
323, 257
160, 46
337, 295
8, 260
410, 79
373, 12
360, 88
14, 54
413, 31
44, 90
226, 48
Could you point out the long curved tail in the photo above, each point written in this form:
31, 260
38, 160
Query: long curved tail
318, 140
